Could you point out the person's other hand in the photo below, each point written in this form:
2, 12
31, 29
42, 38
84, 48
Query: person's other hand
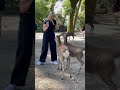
45, 26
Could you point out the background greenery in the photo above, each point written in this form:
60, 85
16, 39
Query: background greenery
43, 9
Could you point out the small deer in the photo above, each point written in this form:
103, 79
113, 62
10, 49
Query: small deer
63, 55
71, 34
74, 51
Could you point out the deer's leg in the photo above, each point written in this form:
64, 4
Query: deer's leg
68, 65
59, 63
79, 58
108, 80
68, 62
69, 37
63, 70
116, 20
61, 66
79, 70
83, 33
69, 68
73, 37
65, 63
92, 31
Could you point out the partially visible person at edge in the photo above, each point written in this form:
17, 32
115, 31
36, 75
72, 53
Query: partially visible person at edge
26, 36
49, 27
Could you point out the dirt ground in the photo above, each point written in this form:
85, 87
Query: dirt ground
47, 77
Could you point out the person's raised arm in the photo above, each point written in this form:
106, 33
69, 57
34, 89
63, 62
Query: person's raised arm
57, 22
25, 5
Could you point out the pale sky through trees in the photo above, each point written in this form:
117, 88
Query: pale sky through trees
58, 6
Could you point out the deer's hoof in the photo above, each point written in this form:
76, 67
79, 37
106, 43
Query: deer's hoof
70, 76
61, 78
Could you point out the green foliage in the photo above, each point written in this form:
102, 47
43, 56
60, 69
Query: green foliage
61, 18
41, 10
66, 7
83, 4
73, 3
81, 18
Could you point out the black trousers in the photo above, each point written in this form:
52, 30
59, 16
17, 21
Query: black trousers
24, 51
48, 39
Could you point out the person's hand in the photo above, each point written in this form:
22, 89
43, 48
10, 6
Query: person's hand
55, 17
45, 26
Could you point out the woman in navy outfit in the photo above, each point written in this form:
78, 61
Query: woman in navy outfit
49, 39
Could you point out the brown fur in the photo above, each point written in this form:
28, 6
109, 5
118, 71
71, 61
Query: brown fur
74, 51
63, 55
101, 61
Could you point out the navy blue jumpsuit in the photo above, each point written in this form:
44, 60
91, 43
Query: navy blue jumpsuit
49, 39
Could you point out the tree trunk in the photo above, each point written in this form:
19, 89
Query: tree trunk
52, 6
64, 19
70, 23
71, 17
76, 15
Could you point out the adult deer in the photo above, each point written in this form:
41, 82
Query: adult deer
102, 62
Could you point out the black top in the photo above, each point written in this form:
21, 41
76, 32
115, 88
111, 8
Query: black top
51, 27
